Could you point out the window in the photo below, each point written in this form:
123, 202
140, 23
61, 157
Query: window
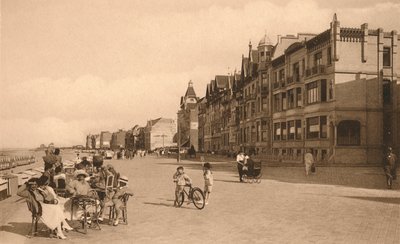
291, 130
291, 103
303, 67
283, 129
312, 92
264, 125
253, 108
387, 92
318, 59
253, 134
386, 57
282, 75
277, 103
258, 131
264, 104
299, 96
323, 127
264, 78
329, 56
284, 102
323, 90
296, 72
330, 89
298, 130
313, 128
277, 131
348, 133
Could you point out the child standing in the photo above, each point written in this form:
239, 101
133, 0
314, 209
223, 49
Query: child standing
181, 179
208, 180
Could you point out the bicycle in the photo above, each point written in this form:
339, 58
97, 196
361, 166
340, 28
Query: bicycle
194, 195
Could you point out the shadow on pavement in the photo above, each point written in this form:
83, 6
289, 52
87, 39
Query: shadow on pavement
23, 229
392, 200
229, 181
168, 205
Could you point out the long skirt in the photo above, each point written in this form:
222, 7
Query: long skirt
52, 215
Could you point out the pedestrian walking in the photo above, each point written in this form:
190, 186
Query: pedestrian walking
309, 162
240, 160
390, 167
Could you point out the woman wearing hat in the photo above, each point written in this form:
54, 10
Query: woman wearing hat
79, 186
50, 214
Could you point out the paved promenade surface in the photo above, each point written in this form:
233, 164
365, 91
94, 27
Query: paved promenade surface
337, 205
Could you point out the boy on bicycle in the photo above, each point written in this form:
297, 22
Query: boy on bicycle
181, 179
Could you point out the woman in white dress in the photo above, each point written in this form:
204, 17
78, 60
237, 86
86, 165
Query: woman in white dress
52, 215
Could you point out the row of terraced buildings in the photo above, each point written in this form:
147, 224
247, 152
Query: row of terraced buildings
337, 93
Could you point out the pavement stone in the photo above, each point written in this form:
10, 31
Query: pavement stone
335, 205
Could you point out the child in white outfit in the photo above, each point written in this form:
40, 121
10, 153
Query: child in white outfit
208, 181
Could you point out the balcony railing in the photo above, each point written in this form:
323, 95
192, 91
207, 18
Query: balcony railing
289, 80
316, 70
276, 85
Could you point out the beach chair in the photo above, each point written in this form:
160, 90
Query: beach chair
61, 187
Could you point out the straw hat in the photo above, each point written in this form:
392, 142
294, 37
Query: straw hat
80, 172
123, 179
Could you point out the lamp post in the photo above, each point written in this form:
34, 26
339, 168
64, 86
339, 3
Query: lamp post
179, 140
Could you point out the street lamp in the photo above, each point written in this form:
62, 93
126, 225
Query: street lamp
179, 139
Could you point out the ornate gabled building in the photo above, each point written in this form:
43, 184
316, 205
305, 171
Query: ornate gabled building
337, 93
188, 119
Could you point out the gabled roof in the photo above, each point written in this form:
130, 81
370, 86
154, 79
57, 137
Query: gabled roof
254, 56
154, 121
190, 92
221, 81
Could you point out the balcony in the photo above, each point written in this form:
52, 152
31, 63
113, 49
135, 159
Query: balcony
316, 70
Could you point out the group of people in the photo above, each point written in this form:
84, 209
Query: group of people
88, 182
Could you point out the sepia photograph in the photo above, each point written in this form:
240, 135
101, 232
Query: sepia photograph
200, 121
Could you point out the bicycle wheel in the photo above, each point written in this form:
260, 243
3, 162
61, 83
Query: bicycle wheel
198, 198
181, 199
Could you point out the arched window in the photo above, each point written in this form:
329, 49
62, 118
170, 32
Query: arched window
348, 133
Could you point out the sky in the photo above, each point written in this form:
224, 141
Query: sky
73, 67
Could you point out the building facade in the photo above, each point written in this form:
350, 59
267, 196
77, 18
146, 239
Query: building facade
188, 119
96, 141
118, 139
336, 93
105, 140
159, 133
89, 141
